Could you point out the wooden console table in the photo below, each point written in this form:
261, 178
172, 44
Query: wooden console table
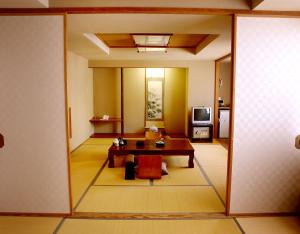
97, 120
171, 148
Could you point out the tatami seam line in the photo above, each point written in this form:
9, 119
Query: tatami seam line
91, 184
59, 226
209, 181
239, 225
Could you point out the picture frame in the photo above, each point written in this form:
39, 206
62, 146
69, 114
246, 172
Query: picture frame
154, 99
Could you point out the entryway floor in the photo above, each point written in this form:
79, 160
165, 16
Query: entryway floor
97, 188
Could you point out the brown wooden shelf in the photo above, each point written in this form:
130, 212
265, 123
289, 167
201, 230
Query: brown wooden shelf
110, 120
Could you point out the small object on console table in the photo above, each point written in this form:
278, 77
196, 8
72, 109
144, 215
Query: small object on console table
160, 143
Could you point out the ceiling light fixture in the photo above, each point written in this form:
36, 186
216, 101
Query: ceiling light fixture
151, 43
151, 49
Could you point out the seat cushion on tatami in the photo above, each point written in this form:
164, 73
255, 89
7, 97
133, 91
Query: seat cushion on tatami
149, 166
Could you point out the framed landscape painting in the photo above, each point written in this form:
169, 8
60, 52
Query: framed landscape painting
154, 98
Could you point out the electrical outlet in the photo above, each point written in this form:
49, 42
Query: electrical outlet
297, 142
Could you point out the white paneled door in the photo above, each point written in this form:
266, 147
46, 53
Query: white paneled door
266, 163
33, 160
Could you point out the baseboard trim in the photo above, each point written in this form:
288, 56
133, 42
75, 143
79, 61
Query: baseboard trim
36, 214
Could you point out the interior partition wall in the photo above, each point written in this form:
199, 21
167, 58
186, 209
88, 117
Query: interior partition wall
33, 118
265, 162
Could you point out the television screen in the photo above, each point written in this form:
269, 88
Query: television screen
201, 115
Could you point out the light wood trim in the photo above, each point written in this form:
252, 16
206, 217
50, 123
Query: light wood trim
122, 102
216, 103
145, 216
231, 124
144, 10
68, 128
205, 42
216, 93
145, 98
70, 122
223, 57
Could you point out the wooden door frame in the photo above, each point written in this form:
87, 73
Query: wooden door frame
216, 93
138, 10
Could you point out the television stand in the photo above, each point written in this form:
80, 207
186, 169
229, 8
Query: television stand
201, 133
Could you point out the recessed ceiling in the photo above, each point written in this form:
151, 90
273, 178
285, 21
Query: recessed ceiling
126, 40
230, 4
188, 30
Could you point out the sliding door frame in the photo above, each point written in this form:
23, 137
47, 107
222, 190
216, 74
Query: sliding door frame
11, 12
217, 89
153, 10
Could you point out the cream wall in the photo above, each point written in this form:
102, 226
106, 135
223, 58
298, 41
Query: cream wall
200, 77
80, 93
33, 162
175, 107
266, 164
107, 97
225, 75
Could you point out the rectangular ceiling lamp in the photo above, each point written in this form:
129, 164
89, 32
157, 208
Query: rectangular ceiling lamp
151, 40
151, 49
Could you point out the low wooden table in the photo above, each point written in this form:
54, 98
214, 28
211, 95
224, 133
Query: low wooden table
171, 147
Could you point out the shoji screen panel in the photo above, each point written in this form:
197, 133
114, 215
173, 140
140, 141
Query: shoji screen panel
33, 162
266, 164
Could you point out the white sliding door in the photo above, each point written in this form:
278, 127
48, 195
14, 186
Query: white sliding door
266, 164
33, 161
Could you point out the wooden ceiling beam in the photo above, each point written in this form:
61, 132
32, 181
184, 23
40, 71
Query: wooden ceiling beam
254, 3
97, 41
202, 44
144, 10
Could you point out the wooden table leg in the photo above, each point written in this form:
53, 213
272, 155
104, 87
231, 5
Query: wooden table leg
191, 160
111, 163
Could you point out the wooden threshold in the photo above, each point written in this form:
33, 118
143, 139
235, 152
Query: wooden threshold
159, 216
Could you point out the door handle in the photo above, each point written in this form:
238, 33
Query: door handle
1, 141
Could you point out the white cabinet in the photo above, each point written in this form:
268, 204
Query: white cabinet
224, 117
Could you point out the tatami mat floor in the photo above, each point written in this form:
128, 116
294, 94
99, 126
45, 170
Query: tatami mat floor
183, 190
217, 226
97, 188
150, 199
